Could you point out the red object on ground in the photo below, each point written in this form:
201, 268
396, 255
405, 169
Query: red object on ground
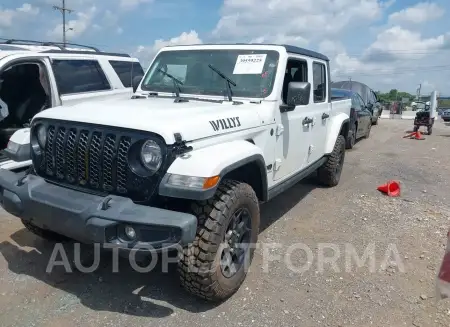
443, 277
415, 135
391, 188
418, 136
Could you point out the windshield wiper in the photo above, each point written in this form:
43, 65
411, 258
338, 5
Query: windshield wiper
176, 86
228, 82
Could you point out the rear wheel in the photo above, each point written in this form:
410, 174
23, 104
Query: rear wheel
329, 173
215, 265
430, 130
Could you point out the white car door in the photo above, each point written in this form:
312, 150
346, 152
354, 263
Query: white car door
320, 109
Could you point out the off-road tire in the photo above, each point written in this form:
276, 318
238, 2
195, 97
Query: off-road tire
44, 233
327, 174
199, 265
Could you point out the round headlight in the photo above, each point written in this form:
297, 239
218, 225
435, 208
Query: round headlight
151, 155
41, 134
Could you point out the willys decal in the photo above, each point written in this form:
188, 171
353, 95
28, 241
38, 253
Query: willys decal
225, 123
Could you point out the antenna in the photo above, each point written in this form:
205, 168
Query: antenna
63, 11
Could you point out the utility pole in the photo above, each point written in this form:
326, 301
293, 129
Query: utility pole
63, 11
418, 92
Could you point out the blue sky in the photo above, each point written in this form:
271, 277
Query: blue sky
385, 43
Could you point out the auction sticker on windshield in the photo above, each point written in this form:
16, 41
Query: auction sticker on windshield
249, 64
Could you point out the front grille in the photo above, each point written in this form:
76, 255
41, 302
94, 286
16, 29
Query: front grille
94, 158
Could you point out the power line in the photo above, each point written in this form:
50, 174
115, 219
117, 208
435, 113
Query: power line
392, 73
63, 11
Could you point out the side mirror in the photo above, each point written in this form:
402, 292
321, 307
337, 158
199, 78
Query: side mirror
136, 81
298, 95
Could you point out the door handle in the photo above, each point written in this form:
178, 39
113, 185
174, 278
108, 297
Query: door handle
307, 121
325, 115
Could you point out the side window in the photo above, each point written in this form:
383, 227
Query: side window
126, 70
374, 96
356, 102
296, 71
319, 82
371, 98
78, 76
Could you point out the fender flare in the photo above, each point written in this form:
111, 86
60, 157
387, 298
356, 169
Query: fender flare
216, 160
336, 128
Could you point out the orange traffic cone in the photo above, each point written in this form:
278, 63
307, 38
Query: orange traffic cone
391, 188
418, 136
410, 135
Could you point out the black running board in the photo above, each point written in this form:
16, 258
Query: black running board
288, 183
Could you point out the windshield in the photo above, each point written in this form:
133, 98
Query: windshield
253, 72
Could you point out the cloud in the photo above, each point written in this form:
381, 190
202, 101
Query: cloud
75, 27
132, 4
397, 43
270, 19
8, 15
420, 13
146, 53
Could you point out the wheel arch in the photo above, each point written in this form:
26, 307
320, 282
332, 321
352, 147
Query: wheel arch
340, 125
240, 160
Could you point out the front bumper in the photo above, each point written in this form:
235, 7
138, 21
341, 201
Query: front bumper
89, 218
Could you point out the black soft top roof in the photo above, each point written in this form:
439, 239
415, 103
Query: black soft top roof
289, 48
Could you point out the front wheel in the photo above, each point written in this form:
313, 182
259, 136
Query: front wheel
215, 265
329, 173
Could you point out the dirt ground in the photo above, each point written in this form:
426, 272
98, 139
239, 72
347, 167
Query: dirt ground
354, 215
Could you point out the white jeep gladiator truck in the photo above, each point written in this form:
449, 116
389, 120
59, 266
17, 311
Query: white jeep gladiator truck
37, 75
211, 132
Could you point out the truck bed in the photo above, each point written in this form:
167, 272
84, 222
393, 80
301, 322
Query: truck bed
341, 105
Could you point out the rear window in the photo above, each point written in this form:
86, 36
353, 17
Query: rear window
127, 70
79, 76
339, 94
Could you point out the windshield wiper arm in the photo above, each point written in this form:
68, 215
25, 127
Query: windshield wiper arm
227, 80
176, 86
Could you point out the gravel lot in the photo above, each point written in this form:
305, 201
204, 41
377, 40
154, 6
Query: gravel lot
354, 215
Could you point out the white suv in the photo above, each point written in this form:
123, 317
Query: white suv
36, 75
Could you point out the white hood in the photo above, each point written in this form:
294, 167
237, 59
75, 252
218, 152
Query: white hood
193, 119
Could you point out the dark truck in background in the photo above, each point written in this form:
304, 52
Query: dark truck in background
371, 101
360, 116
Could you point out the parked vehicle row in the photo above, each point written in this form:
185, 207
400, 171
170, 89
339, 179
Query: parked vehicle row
360, 116
368, 96
39, 75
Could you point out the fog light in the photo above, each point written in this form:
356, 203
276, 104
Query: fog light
130, 232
